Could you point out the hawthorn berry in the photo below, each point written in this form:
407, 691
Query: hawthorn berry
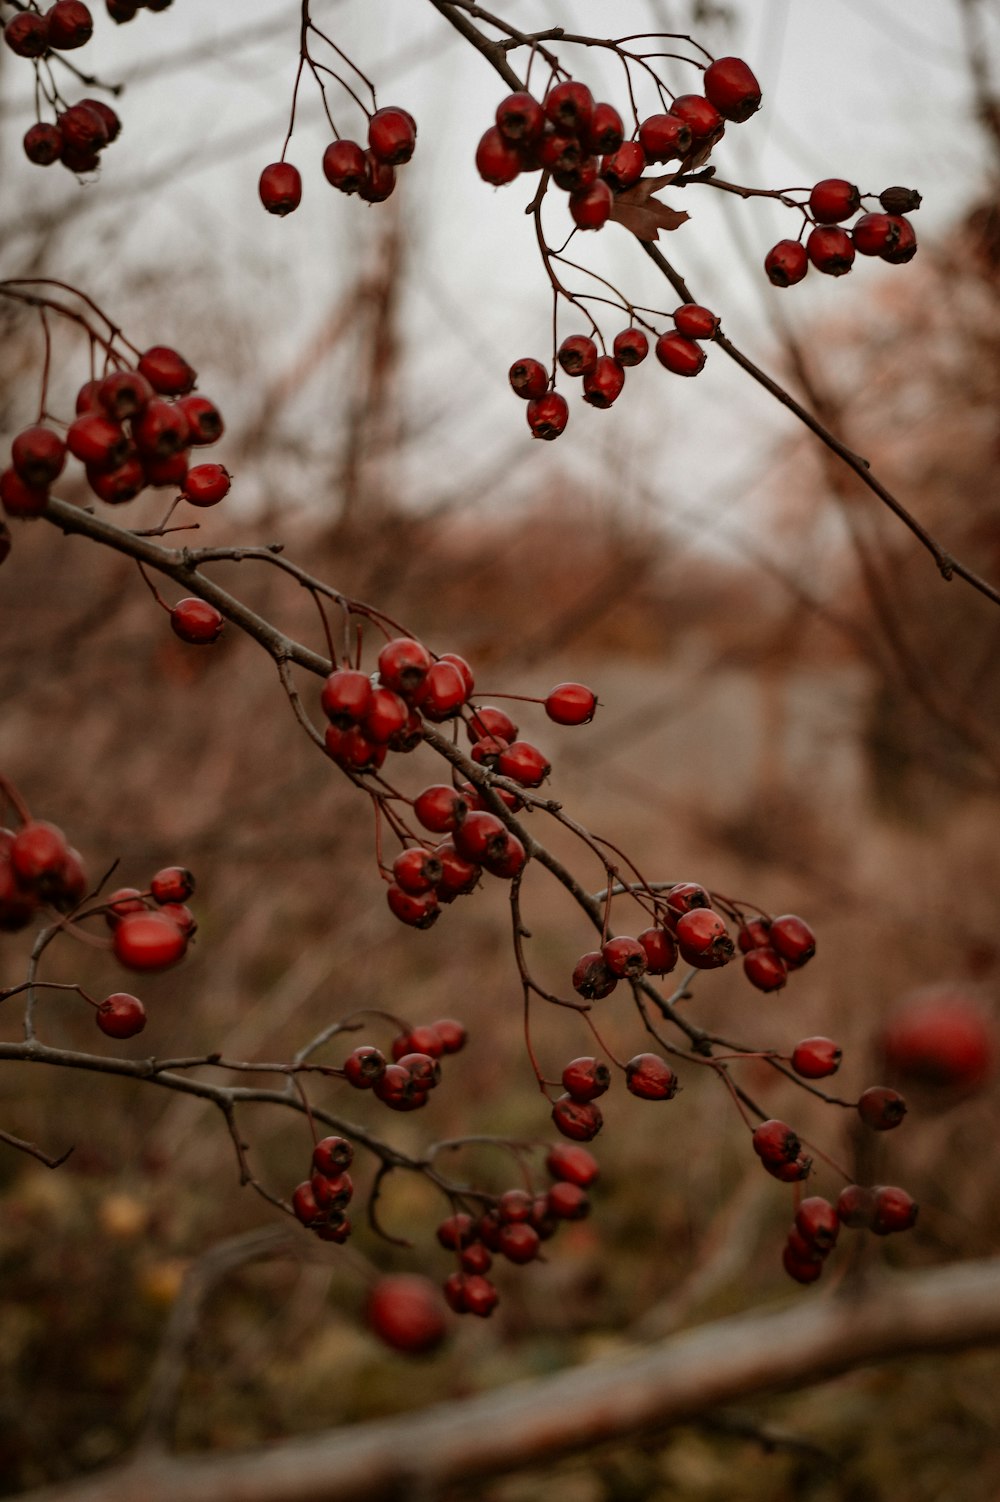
529, 378
403, 664
696, 322
802, 1270
206, 484
123, 393
70, 25
569, 1162
332, 1155
19, 499
172, 884
630, 347
881, 1108
590, 205
548, 415
416, 870
160, 429
702, 939
604, 385
586, 1078
125, 900
493, 722
904, 247
423, 1069
386, 717
754, 935
170, 470
520, 117
664, 137
874, 234
458, 875
567, 1201
379, 180
27, 34
116, 486
856, 1206
352, 750
424, 1040
37, 854
605, 133
940, 1038
524, 763
792, 938
817, 1222
774, 1142
440, 808
197, 622
580, 1120
148, 941
42, 142
577, 355
592, 978
332, 1192
305, 1205
498, 161
790, 1173
625, 957
833, 200
509, 862
364, 1066
121, 1015
38, 454
451, 1034
280, 188
679, 354
624, 167
112, 123
660, 950
346, 697
95, 439
732, 88
895, 1210
167, 371
441, 693
335, 1230
392, 135
831, 250
418, 911
518, 1242
765, 969
700, 115
815, 1058
204, 420
182, 916
682, 897
570, 107
344, 166
786, 263
457, 1231
650, 1077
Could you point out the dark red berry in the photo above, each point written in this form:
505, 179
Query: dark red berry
875, 234
940, 1038
569, 1162
204, 420
567, 1201
799, 1268
121, 1015
682, 356
833, 200
457, 1231
417, 911
830, 250
123, 393
815, 1058
696, 322
577, 355
160, 429
775, 1142
364, 1066
765, 969
148, 941
660, 950
700, 115
403, 664
172, 884
498, 160
379, 181
405, 1312
571, 704
702, 939
732, 88
42, 142
481, 836
386, 717
793, 939
490, 721
27, 34
630, 347
442, 692
817, 1222
790, 1173
881, 1108
682, 897
280, 188
167, 371
458, 875
116, 486
590, 204
650, 1077
605, 133
70, 24
586, 1078
197, 622
304, 1203
396, 1088
665, 137
592, 978
344, 166
625, 957
332, 1155
20, 499
518, 1242
171, 470
524, 763
548, 416
570, 107
95, 439
440, 808
624, 167
206, 484
895, 1210
112, 123
346, 697
529, 378
520, 118
904, 247
392, 135
786, 263
37, 853
39, 455
856, 1207
416, 870
756, 934
605, 383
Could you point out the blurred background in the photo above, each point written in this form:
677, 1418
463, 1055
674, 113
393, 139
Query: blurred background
794, 710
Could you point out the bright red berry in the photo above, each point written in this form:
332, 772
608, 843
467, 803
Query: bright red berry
786, 263
830, 250
696, 322
440, 808
403, 664
665, 137
442, 692
732, 88
392, 135
775, 1142
167, 371
630, 347
624, 167
682, 356
416, 911
702, 939
172, 884
148, 941
523, 763
895, 1210
625, 957
121, 1015
332, 1155
815, 1058
569, 1162
833, 200
765, 969
206, 484
364, 1067
280, 188
590, 205
204, 420
660, 950
700, 115
498, 160
197, 622
586, 1078
793, 939
571, 704
604, 385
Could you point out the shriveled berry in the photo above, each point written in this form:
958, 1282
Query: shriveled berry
121, 1015
577, 355
815, 1058
529, 378
586, 1078
580, 1120
650, 1077
197, 622
786, 263
765, 969
548, 416
592, 978
696, 322
148, 941
364, 1066
833, 200
405, 1312
344, 166
280, 188
392, 135
679, 354
732, 88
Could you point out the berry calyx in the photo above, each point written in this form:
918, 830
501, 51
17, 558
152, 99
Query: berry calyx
280, 188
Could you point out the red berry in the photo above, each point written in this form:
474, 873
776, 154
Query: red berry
481, 836
123, 393
423, 1040
577, 355
548, 415
904, 248
789, 1173
605, 132
700, 115
458, 876
592, 978
452, 1034
70, 24
396, 1088
660, 950
775, 1142
571, 704
95, 439
125, 900
830, 250
786, 263
39, 456
392, 135
37, 853
682, 356
440, 808
519, 118
403, 664
204, 420
416, 870
457, 1231
625, 957
116, 486
364, 1067
881, 1108
529, 378
112, 124
441, 693
405, 1312
498, 161
305, 1205
352, 750
344, 166
515, 1205
19, 499
798, 1268
346, 697
171, 470
492, 722
121, 1015
480, 1296
684, 896
833, 200
280, 188
570, 107
337, 1230
586, 1079
566, 1161
332, 1192
895, 1210
765, 969
416, 911
793, 939
510, 862
940, 1037
206, 484
604, 385
624, 167
856, 1207
815, 1058
148, 941
27, 34
817, 1222
664, 137
332, 1155
167, 371
523, 763
695, 322
732, 88
630, 347
567, 1202
518, 1242
386, 717
161, 429
875, 234
755, 935
197, 622
172, 884
42, 142
379, 181
590, 205
702, 939
579, 1119
650, 1077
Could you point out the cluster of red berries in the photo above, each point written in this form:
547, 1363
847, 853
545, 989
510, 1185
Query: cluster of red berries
576, 1113
581, 142
603, 375
404, 1084
127, 10
889, 235
76, 138
134, 428
65, 26
771, 947
371, 716
883, 1209
151, 930
371, 173
37, 866
320, 1202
